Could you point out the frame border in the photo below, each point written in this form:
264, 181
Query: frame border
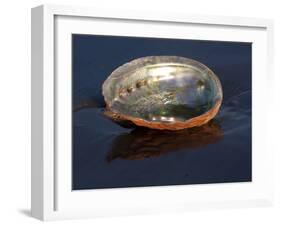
43, 158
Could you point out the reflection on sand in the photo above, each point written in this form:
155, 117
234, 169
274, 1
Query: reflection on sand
143, 143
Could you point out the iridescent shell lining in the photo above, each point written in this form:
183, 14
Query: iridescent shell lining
163, 92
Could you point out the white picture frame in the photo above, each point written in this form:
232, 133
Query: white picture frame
52, 197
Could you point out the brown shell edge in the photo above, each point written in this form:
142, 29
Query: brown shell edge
193, 122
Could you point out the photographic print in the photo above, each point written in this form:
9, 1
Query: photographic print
158, 111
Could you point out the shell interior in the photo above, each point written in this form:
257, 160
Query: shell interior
162, 89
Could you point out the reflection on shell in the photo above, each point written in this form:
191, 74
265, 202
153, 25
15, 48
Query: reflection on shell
163, 92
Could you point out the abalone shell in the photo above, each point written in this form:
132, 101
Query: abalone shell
163, 92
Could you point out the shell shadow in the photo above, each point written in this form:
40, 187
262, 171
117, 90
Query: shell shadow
143, 143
